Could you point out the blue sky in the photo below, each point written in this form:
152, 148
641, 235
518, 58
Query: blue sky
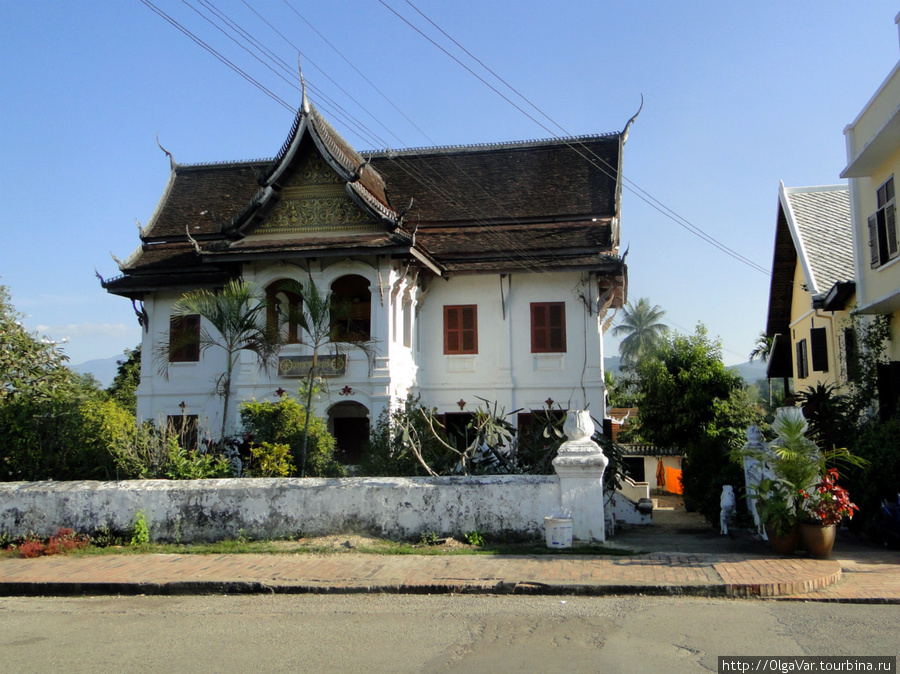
737, 97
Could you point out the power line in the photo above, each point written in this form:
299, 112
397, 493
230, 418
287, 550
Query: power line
268, 92
638, 191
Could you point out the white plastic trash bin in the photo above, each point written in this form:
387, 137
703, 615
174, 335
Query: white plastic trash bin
558, 531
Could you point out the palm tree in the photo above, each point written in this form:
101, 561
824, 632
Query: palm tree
318, 318
762, 349
238, 314
642, 329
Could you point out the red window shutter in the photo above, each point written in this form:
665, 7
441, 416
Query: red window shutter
461, 329
548, 327
469, 329
557, 327
539, 328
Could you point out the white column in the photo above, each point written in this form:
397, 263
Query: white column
580, 464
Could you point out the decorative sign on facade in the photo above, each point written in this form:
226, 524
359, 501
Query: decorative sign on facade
315, 200
299, 366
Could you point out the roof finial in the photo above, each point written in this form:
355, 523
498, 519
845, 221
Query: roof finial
305, 105
168, 154
631, 121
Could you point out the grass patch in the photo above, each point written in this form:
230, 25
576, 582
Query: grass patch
430, 545
336, 545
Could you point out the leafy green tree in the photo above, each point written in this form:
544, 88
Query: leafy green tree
620, 389
128, 376
29, 365
689, 400
317, 318
53, 422
643, 330
237, 312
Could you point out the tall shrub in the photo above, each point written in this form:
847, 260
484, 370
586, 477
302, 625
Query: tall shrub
284, 423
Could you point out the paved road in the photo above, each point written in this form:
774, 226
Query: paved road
397, 633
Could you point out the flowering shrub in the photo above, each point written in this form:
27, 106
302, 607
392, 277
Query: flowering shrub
62, 542
827, 503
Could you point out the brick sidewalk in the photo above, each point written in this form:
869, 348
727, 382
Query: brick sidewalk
862, 582
656, 573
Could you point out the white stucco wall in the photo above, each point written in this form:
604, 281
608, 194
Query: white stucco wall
208, 510
503, 370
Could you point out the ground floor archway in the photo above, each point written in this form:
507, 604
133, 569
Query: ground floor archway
348, 422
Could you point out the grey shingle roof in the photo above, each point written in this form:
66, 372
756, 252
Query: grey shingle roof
820, 217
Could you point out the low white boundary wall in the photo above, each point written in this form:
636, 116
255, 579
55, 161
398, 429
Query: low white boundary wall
209, 510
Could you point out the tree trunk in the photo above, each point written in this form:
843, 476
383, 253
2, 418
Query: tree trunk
309, 395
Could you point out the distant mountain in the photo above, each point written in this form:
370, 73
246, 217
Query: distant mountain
103, 369
612, 364
750, 371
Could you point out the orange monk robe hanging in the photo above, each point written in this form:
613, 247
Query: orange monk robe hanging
673, 480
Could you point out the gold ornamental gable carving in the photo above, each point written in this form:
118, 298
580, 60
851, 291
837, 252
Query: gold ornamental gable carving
315, 200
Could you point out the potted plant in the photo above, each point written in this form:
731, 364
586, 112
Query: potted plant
794, 466
822, 508
790, 463
777, 508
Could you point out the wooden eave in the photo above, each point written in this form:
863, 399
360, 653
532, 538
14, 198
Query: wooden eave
781, 361
784, 264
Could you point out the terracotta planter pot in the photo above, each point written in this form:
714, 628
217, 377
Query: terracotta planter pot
818, 539
783, 545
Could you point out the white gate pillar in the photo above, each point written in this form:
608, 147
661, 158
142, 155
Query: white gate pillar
580, 464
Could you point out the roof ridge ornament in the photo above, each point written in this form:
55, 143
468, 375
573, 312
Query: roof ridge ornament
631, 121
193, 241
168, 154
304, 105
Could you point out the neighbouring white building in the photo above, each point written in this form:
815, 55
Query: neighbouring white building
480, 272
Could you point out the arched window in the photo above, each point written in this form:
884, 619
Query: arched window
282, 307
352, 319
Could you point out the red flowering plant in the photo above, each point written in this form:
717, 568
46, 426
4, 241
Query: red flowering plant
827, 503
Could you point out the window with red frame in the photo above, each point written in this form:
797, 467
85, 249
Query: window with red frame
461, 329
548, 327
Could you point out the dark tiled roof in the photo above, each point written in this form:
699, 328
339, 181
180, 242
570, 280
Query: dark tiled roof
544, 180
648, 450
533, 205
202, 196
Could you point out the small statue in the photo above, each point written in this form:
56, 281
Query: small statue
756, 469
727, 503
